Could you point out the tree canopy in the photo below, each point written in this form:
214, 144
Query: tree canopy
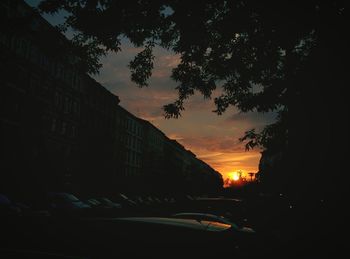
257, 52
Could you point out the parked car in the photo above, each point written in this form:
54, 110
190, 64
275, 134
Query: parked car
235, 210
109, 204
94, 203
32, 205
211, 217
174, 233
155, 231
7, 207
102, 207
126, 201
62, 200
107, 237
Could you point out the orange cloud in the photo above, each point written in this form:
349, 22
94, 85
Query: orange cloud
223, 154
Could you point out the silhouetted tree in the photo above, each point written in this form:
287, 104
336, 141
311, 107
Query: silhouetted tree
265, 55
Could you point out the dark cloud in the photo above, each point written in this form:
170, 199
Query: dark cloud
146, 102
259, 120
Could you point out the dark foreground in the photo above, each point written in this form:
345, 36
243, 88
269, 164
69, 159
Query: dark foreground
282, 229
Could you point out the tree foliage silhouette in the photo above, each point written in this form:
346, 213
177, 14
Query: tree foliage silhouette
253, 50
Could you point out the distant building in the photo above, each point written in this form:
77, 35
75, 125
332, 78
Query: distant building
133, 143
153, 146
101, 137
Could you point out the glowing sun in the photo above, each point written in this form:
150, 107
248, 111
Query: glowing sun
235, 176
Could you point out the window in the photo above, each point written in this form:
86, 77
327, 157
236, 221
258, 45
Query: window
3, 39
127, 157
133, 158
56, 98
22, 77
47, 84
34, 82
134, 143
44, 62
74, 77
69, 77
21, 47
34, 55
58, 70
51, 67
53, 125
68, 151
67, 104
74, 106
73, 131
62, 72
16, 44
64, 127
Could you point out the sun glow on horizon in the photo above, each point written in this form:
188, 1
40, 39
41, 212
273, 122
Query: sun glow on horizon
235, 176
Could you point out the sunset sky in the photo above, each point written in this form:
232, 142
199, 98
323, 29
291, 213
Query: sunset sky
213, 138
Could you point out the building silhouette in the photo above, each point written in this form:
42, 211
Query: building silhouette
62, 130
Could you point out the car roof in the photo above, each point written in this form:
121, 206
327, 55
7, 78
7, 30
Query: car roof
219, 199
215, 217
195, 214
186, 223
